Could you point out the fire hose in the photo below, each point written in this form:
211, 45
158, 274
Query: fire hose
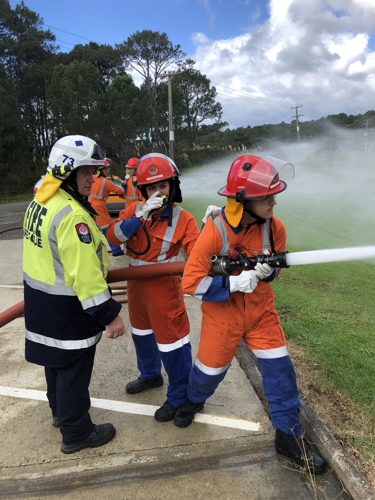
223, 265
114, 275
10, 229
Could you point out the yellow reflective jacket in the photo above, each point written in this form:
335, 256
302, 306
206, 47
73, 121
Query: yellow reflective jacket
65, 262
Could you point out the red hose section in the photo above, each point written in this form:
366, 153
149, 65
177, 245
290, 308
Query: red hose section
114, 275
10, 229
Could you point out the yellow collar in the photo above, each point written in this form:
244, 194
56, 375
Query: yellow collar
233, 211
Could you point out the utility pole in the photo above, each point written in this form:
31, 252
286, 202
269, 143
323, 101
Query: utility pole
296, 117
170, 111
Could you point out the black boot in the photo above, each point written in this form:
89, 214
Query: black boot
299, 450
166, 412
185, 413
101, 434
141, 384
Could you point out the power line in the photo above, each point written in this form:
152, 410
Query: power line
67, 32
252, 96
246, 96
313, 111
263, 100
63, 41
248, 99
64, 47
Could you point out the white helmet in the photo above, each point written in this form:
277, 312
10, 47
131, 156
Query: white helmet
73, 151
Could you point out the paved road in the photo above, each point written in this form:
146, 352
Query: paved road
11, 215
227, 453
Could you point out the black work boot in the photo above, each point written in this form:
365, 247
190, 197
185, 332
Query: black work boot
166, 412
55, 421
140, 384
185, 413
299, 450
101, 434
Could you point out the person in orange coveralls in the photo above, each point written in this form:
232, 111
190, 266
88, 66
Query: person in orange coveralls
132, 194
99, 193
153, 232
241, 305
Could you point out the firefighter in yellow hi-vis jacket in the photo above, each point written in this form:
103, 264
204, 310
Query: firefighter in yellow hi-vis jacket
67, 300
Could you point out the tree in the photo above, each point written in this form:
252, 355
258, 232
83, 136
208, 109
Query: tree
197, 99
75, 97
26, 54
104, 58
150, 53
128, 113
15, 150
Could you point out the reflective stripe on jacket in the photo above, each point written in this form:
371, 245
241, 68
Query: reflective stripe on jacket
165, 240
65, 262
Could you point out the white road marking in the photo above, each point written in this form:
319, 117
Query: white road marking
11, 286
136, 409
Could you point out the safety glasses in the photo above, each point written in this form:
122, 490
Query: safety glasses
265, 200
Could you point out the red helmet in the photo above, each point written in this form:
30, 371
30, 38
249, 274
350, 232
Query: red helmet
107, 163
131, 163
154, 168
252, 177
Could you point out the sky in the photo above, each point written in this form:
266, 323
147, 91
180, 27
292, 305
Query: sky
268, 59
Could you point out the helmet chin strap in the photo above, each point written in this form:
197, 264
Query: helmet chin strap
252, 214
71, 181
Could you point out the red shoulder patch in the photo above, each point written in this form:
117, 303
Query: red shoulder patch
83, 232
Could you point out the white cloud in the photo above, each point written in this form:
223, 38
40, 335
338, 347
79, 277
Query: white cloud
310, 52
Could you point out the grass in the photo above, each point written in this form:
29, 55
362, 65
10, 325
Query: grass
328, 311
15, 198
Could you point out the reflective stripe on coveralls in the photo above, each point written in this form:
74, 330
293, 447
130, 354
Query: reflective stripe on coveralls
160, 325
100, 196
204, 285
100, 191
141, 336
132, 193
250, 317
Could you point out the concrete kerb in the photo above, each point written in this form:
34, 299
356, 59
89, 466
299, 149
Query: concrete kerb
346, 471
352, 480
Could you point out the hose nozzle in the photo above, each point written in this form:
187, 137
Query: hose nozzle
222, 265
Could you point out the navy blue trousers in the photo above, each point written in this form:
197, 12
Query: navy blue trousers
69, 398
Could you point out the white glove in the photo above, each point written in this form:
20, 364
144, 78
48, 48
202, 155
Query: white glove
263, 270
153, 203
245, 282
212, 211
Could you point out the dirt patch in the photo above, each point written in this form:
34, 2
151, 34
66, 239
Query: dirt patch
349, 422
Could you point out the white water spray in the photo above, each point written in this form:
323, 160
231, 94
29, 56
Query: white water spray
329, 203
332, 255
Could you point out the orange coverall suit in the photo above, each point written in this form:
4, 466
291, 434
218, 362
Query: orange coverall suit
132, 194
99, 193
158, 316
230, 317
